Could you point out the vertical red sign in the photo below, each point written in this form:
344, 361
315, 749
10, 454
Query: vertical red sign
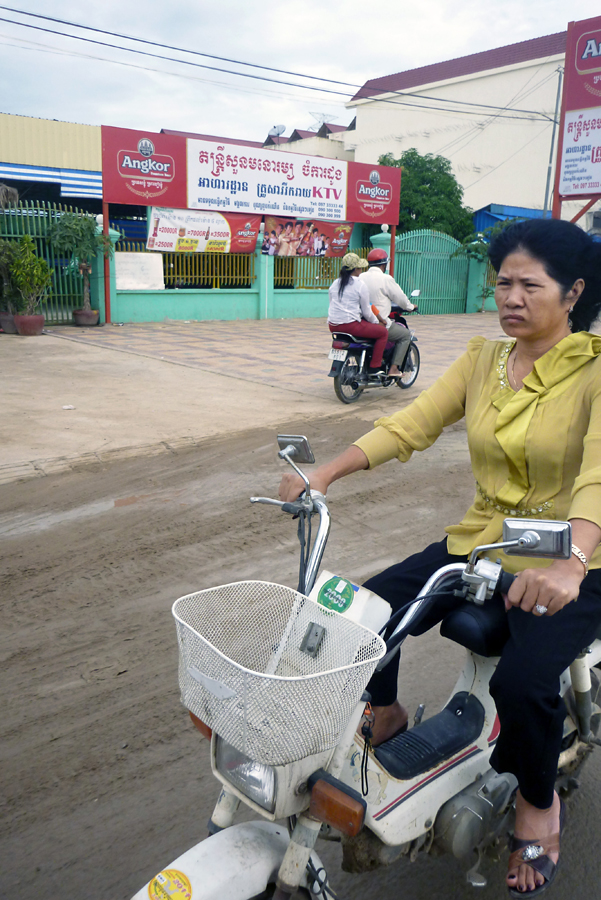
373, 193
143, 167
578, 171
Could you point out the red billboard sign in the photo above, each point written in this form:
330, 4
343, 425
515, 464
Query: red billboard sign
185, 173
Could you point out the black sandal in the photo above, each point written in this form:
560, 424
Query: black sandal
534, 854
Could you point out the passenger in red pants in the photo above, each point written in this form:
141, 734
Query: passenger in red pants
350, 309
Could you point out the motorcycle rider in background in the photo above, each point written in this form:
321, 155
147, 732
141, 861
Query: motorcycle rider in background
383, 292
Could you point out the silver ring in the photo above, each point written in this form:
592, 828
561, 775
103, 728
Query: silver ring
541, 610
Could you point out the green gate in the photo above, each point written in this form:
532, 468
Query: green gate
33, 218
424, 261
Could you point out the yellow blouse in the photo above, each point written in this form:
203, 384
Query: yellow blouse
534, 453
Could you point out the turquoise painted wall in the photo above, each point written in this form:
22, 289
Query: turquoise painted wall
181, 305
261, 301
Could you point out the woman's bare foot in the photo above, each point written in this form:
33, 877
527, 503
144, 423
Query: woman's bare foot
388, 720
394, 370
533, 824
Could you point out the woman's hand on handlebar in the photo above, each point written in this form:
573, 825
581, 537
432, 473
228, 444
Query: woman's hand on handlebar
292, 485
352, 460
552, 588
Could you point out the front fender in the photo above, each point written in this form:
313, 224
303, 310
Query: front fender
236, 863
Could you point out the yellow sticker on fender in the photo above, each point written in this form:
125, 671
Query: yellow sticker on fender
170, 885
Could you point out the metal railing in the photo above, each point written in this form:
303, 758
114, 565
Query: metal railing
200, 270
309, 272
33, 218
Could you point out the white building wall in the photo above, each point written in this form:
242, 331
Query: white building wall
495, 159
316, 146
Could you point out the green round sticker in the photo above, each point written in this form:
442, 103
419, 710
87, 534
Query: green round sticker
336, 594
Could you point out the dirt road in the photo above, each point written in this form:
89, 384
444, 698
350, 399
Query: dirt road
104, 780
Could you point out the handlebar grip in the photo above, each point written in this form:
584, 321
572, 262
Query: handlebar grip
505, 581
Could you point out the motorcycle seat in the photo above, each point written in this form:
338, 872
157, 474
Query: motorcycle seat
357, 343
481, 629
351, 339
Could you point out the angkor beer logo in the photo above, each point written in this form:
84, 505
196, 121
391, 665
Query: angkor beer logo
373, 189
248, 231
144, 161
588, 53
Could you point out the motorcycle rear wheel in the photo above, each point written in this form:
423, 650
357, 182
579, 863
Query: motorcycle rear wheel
411, 365
343, 388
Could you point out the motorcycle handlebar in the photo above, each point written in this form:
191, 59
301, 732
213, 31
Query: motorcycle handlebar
505, 581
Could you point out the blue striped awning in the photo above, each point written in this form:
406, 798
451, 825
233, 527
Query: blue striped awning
73, 182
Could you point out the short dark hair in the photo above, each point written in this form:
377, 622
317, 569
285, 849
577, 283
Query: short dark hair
567, 254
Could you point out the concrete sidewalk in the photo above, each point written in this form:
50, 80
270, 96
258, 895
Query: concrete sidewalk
76, 397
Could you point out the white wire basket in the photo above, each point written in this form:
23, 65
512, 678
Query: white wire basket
242, 670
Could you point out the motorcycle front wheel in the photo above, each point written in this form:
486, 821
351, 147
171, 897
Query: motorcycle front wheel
410, 368
343, 382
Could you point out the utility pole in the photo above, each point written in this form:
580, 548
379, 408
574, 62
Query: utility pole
555, 123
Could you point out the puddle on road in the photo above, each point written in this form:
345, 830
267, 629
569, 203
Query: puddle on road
19, 524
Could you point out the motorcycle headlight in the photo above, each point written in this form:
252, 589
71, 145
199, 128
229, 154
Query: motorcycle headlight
255, 780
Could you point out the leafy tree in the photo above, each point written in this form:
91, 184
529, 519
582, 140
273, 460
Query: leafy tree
76, 234
431, 197
476, 244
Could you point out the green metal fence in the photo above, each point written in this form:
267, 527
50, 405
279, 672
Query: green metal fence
309, 272
424, 261
33, 218
200, 270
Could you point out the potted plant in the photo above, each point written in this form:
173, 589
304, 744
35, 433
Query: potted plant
31, 276
77, 234
11, 301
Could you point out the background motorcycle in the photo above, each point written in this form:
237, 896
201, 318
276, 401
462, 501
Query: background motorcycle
351, 358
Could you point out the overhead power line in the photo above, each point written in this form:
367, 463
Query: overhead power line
322, 79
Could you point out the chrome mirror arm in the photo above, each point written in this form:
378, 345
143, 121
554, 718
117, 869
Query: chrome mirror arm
529, 539
286, 453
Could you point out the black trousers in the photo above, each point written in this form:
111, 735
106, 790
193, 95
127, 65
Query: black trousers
525, 686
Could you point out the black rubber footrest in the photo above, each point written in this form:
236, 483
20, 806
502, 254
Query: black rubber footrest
427, 745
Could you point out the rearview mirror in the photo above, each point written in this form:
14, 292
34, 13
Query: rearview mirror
544, 538
296, 446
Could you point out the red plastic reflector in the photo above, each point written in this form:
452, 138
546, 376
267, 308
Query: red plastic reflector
340, 345
204, 729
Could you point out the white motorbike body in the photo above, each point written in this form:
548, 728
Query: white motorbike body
239, 861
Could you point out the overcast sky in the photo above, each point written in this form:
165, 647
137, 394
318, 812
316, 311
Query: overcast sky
54, 77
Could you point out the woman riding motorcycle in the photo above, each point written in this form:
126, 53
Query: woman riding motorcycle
350, 309
532, 405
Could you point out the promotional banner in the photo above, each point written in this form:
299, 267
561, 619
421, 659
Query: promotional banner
289, 237
580, 167
185, 173
188, 231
